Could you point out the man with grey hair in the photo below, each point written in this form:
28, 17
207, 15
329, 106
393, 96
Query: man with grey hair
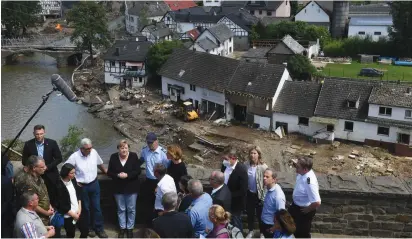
172, 224
32, 180
198, 211
166, 184
28, 224
221, 194
86, 160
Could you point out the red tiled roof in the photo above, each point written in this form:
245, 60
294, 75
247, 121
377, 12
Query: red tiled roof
193, 34
180, 4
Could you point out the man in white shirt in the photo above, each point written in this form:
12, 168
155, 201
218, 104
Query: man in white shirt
306, 198
166, 184
86, 161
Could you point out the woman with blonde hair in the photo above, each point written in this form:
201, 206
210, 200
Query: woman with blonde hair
220, 218
177, 168
256, 190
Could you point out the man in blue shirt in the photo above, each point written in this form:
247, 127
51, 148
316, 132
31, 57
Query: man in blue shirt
198, 211
274, 201
151, 154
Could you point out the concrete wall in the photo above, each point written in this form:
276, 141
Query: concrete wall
295, 127
369, 30
263, 122
312, 13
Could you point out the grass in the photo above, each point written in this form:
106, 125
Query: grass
391, 72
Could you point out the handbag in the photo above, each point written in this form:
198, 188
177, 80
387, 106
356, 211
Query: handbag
57, 220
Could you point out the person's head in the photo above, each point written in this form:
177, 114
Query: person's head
67, 171
184, 182
255, 155
36, 165
269, 178
217, 179
231, 157
146, 233
86, 146
123, 148
159, 170
195, 188
169, 201
39, 132
152, 142
284, 222
218, 215
174, 152
303, 165
29, 200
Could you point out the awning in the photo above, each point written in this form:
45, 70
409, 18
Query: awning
134, 64
323, 120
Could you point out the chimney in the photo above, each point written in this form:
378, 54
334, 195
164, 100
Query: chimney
117, 53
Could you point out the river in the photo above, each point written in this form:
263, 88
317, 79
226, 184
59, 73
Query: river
22, 86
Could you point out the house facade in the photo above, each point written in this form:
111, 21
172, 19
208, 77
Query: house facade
153, 12
262, 9
125, 63
212, 3
373, 26
217, 40
50, 8
316, 13
157, 32
240, 31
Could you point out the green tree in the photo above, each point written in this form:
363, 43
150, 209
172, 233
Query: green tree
294, 6
300, 67
90, 26
312, 33
159, 53
143, 17
17, 16
401, 32
70, 143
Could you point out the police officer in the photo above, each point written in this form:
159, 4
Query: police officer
306, 198
151, 154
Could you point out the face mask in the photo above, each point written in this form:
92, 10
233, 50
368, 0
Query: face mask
226, 163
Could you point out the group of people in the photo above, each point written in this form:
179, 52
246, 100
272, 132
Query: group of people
174, 204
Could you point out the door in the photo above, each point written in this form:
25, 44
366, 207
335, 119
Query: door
404, 138
196, 104
284, 125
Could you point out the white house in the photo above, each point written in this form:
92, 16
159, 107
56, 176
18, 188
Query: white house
157, 32
153, 12
212, 3
216, 40
262, 9
125, 63
50, 8
373, 26
316, 13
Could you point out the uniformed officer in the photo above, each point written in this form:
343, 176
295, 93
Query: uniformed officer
306, 198
151, 154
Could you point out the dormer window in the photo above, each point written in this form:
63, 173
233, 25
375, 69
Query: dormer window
386, 111
352, 100
352, 104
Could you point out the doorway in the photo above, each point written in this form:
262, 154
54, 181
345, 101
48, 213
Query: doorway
239, 113
283, 124
404, 138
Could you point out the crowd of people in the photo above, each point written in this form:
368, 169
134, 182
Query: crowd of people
175, 205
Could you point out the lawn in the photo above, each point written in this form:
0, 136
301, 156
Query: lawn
391, 72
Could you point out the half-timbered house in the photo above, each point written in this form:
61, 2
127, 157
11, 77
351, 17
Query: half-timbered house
125, 63
157, 32
217, 40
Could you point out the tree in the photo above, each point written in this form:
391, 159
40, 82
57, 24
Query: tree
90, 26
159, 53
300, 67
294, 7
70, 143
312, 33
17, 16
401, 32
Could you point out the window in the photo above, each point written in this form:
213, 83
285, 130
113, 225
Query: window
404, 138
348, 126
168, 18
113, 63
385, 111
230, 49
192, 87
260, 12
408, 114
230, 39
140, 79
303, 121
123, 63
361, 33
351, 104
131, 19
252, 12
305, 10
269, 13
377, 33
330, 128
318, 9
383, 130
267, 106
286, 2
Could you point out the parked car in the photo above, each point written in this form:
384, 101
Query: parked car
370, 72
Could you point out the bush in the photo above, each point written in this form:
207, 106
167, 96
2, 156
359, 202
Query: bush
70, 143
300, 68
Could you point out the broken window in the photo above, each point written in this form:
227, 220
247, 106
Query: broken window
383, 130
330, 128
349, 126
385, 111
303, 121
404, 138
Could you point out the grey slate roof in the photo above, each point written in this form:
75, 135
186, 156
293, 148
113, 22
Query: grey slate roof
389, 122
206, 44
256, 79
298, 98
392, 95
293, 45
153, 9
273, 20
263, 5
159, 29
201, 69
221, 32
257, 52
334, 95
370, 9
371, 21
129, 51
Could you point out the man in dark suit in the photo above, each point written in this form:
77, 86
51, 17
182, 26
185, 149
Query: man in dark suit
50, 152
221, 194
236, 179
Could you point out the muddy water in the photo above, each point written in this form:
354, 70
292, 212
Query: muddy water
22, 86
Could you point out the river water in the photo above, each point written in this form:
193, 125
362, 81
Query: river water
22, 87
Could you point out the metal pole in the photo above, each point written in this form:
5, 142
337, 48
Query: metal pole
45, 98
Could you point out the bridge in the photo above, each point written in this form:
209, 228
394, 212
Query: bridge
57, 46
